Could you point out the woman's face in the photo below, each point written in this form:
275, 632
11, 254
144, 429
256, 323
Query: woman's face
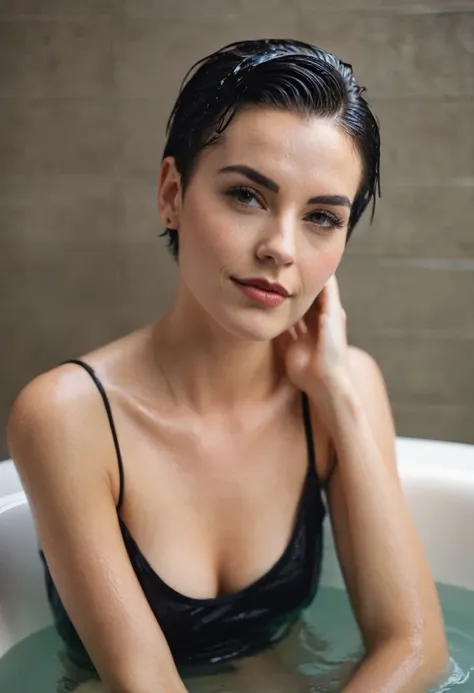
270, 201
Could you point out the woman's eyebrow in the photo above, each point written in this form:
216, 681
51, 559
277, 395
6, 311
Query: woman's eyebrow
252, 174
336, 200
257, 177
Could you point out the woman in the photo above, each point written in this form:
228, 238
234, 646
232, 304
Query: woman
193, 533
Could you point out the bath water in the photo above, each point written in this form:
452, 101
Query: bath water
318, 655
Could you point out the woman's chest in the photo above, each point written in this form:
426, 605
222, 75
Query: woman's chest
214, 507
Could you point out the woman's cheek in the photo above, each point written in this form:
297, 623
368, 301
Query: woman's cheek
321, 269
209, 227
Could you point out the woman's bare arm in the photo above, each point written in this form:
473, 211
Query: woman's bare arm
386, 572
57, 434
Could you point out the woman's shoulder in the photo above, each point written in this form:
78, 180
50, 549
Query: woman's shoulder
49, 397
59, 414
65, 386
53, 419
369, 383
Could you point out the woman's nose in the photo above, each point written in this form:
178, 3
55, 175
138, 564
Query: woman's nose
278, 243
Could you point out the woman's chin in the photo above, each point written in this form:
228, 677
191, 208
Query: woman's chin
255, 328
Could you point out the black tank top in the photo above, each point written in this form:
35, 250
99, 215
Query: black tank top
203, 631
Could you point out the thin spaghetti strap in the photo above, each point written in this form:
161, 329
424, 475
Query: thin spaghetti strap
108, 409
309, 434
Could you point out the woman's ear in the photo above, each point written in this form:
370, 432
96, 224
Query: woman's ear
169, 193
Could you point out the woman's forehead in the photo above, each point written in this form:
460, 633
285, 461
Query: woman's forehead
288, 147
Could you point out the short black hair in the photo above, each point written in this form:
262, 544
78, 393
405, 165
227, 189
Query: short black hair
278, 73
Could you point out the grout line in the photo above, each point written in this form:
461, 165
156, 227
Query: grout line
397, 9
429, 263
461, 408
374, 98
360, 334
456, 264
8, 19
448, 182
393, 10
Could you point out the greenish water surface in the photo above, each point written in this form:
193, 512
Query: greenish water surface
317, 657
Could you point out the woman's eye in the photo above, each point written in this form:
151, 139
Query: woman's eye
244, 196
326, 220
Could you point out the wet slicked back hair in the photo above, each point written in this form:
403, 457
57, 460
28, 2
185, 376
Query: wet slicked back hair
271, 73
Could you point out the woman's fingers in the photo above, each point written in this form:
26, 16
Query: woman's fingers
327, 302
301, 328
311, 318
332, 296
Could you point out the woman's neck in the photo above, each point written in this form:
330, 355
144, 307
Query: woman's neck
207, 368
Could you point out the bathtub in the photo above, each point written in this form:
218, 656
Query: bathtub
437, 477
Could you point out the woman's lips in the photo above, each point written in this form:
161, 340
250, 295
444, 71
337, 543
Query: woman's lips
265, 297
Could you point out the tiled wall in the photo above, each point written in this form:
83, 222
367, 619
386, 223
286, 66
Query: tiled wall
85, 90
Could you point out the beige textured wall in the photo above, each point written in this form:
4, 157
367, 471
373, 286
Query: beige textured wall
85, 90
